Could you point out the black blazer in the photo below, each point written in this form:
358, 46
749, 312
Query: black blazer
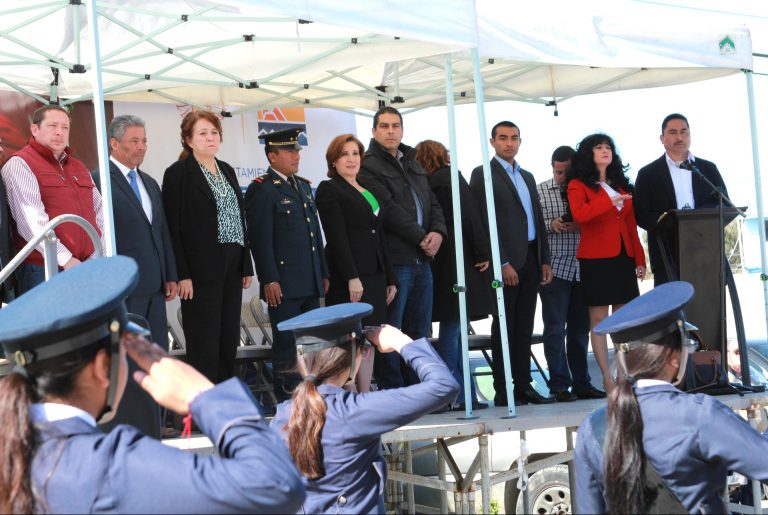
511, 221
477, 248
193, 220
394, 186
655, 195
148, 244
354, 235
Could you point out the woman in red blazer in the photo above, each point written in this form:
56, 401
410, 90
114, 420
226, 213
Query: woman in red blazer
611, 258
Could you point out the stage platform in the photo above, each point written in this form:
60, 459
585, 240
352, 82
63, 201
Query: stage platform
442, 432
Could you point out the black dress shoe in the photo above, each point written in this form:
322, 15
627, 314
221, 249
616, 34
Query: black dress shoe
591, 393
564, 396
531, 396
500, 400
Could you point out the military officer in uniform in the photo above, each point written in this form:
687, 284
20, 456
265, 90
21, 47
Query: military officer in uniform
654, 448
287, 247
68, 338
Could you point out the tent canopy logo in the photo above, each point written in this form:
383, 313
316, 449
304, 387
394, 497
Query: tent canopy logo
727, 46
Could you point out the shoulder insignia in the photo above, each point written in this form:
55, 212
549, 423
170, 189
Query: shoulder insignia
303, 179
259, 179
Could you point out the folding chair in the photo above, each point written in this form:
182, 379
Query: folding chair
256, 349
177, 346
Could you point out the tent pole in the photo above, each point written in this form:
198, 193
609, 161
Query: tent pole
461, 283
758, 190
497, 282
101, 130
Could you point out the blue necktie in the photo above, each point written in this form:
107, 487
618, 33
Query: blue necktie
134, 184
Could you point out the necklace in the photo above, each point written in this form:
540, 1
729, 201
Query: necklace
218, 182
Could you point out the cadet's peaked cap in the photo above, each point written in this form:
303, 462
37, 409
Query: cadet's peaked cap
327, 327
72, 310
287, 139
650, 316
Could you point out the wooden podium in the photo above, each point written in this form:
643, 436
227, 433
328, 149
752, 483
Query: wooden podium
689, 242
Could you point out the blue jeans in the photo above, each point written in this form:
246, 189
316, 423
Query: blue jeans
566, 335
449, 349
28, 276
411, 312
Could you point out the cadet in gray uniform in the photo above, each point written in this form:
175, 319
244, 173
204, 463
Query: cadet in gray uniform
68, 338
334, 435
656, 449
287, 247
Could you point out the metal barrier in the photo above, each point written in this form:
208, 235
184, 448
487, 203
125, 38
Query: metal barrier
48, 237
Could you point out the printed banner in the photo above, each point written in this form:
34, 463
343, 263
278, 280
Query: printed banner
242, 145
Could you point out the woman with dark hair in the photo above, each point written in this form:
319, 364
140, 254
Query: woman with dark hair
334, 435
654, 448
434, 158
352, 221
206, 219
611, 257
68, 339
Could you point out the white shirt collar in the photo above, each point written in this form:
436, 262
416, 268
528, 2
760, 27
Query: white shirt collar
280, 174
643, 383
672, 163
124, 169
53, 412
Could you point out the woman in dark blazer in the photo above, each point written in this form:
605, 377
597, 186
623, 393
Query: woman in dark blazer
352, 222
611, 257
434, 158
204, 209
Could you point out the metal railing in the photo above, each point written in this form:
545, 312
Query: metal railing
48, 237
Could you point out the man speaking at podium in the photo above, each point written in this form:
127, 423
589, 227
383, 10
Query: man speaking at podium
671, 182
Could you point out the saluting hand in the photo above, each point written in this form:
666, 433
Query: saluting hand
387, 338
172, 383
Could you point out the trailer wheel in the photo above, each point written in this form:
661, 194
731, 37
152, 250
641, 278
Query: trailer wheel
549, 492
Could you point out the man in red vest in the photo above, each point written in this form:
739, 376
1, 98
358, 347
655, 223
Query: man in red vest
43, 180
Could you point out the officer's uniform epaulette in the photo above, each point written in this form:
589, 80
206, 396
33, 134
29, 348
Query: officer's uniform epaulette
259, 179
304, 179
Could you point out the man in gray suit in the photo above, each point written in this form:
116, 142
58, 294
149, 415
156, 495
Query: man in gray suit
141, 232
524, 254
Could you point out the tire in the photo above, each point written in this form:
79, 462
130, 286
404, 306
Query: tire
549, 492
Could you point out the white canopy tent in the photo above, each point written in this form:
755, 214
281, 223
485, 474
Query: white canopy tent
244, 55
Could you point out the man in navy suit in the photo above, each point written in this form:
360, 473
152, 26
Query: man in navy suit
141, 232
670, 182
287, 247
524, 255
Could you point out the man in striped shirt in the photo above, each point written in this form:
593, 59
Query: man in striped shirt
43, 180
565, 313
